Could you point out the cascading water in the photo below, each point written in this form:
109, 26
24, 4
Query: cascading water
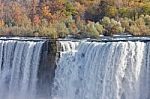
66, 46
19, 61
112, 70
86, 70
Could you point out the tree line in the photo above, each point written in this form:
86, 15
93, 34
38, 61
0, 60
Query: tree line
82, 18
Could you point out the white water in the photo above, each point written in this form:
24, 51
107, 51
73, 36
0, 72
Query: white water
113, 70
66, 46
19, 62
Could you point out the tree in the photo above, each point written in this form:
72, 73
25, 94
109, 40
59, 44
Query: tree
111, 11
69, 9
19, 15
146, 9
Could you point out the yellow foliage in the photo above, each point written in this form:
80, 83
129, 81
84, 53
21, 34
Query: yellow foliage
111, 11
45, 10
61, 1
79, 7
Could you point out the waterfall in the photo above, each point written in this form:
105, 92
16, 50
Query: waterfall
19, 61
85, 70
98, 70
66, 46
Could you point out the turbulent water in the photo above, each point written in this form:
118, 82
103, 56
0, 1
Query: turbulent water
112, 70
19, 61
66, 46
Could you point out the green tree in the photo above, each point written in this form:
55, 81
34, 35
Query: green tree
111, 11
69, 9
146, 8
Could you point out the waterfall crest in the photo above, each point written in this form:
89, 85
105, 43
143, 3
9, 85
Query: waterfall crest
19, 61
66, 46
112, 70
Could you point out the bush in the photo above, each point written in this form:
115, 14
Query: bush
105, 21
62, 30
112, 26
91, 30
146, 9
139, 27
123, 12
19, 31
48, 31
125, 23
134, 30
81, 25
44, 22
111, 11
140, 22
144, 30
147, 20
99, 27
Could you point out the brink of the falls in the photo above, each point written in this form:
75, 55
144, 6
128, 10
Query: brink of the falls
99, 70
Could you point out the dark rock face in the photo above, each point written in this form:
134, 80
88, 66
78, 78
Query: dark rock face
47, 69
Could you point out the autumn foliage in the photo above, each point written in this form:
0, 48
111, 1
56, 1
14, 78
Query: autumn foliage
88, 18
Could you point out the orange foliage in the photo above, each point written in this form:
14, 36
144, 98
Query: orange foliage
36, 20
18, 13
53, 11
80, 7
2, 23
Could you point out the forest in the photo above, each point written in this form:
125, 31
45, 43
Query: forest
81, 18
